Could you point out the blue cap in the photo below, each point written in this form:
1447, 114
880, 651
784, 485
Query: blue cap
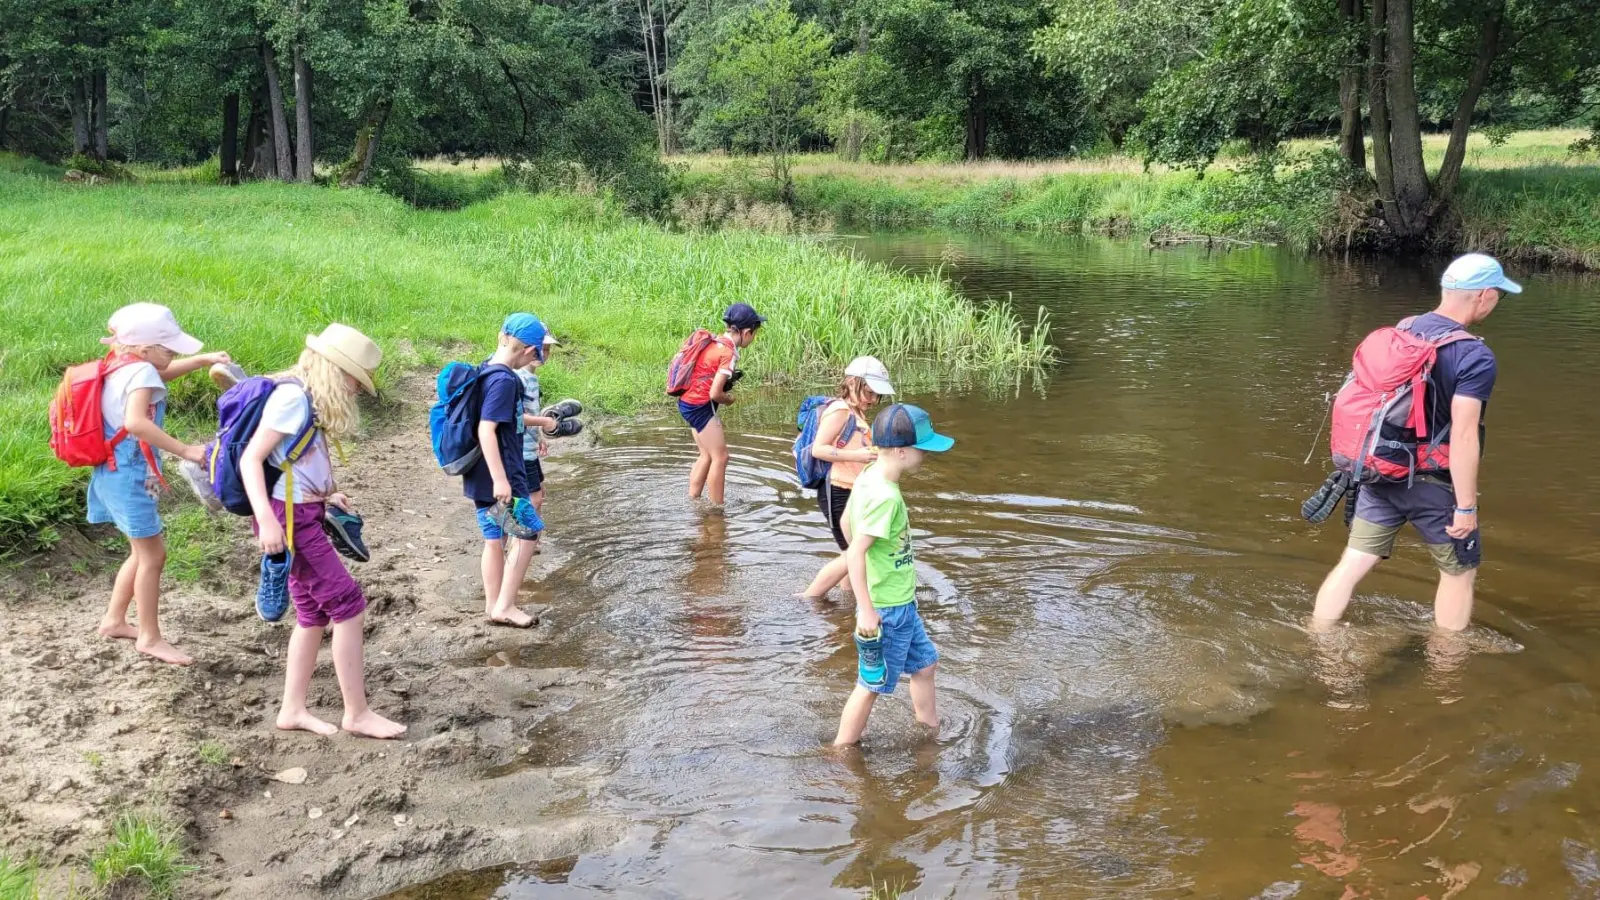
742, 315
1476, 272
904, 425
526, 328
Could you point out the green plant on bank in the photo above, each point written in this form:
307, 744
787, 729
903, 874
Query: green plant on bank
145, 848
95, 759
22, 879
887, 890
253, 269
213, 753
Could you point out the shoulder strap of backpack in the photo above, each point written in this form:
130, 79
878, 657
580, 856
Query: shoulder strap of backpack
308, 432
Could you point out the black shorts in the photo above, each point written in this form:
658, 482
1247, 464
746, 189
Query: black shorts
831, 500
535, 472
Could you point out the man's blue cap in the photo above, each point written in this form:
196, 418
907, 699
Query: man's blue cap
1476, 272
904, 425
526, 328
742, 315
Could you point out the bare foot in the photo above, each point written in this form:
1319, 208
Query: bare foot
163, 651
305, 721
514, 618
122, 631
370, 724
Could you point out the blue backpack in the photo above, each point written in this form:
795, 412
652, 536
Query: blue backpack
453, 419
239, 412
813, 472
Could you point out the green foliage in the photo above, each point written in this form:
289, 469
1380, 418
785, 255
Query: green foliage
213, 753
145, 849
767, 72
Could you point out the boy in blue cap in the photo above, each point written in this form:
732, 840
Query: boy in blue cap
890, 638
498, 483
1441, 503
710, 386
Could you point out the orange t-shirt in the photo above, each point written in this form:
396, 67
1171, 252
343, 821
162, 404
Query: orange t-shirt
844, 474
719, 357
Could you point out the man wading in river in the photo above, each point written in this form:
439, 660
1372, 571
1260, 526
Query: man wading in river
1431, 482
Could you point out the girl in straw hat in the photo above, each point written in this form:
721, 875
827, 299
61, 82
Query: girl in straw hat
333, 369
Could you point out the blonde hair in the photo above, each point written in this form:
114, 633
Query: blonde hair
332, 399
854, 391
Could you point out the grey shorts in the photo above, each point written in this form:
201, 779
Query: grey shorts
1429, 505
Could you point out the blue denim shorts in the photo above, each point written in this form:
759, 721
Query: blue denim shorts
906, 647
522, 509
122, 497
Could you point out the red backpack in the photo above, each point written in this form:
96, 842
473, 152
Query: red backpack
1380, 422
77, 426
680, 372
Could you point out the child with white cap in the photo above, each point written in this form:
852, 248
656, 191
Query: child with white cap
148, 349
844, 440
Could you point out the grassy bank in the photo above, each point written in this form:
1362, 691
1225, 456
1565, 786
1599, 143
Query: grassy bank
1526, 199
253, 269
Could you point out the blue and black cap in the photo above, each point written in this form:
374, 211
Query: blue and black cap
742, 315
904, 425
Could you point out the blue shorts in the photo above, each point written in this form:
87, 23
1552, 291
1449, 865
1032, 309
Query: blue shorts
906, 647
698, 417
121, 497
523, 509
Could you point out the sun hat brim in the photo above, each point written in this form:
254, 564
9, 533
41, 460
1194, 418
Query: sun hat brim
343, 361
880, 386
935, 443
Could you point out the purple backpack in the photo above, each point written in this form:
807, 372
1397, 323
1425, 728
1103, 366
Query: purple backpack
239, 412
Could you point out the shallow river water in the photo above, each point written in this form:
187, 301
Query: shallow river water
1114, 571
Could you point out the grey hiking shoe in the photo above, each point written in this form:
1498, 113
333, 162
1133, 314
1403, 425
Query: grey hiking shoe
226, 375
199, 481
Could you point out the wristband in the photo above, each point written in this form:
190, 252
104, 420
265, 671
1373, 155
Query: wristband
1472, 511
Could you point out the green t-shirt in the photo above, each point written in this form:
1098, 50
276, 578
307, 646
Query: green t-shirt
876, 508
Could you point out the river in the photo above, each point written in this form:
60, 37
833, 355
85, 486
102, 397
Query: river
1113, 568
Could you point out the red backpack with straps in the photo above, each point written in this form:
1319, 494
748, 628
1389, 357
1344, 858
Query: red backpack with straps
77, 425
1380, 421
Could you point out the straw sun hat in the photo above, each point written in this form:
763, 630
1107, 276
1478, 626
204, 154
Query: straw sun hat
350, 350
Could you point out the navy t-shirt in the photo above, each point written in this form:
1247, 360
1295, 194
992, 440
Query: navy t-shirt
502, 404
1464, 368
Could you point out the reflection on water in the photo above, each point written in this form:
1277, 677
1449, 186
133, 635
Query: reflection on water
1115, 575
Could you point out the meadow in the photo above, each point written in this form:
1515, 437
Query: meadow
253, 269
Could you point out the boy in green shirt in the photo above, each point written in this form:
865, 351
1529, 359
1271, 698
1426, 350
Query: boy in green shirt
889, 633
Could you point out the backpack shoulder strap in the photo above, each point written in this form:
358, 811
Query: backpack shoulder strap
1451, 337
308, 432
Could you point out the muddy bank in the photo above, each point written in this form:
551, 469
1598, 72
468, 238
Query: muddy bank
92, 728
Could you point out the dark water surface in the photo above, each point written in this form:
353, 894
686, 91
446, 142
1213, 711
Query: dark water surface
1115, 574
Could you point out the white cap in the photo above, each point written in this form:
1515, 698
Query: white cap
147, 324
873, 372
550, 338
1476, 272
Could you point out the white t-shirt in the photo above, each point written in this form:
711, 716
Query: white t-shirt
124, 381
286, 412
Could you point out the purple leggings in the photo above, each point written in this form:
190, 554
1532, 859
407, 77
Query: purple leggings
319, 584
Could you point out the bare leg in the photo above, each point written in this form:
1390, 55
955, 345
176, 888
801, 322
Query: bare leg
494, 566
923, 702
715, 442
1337, 588
152, 553
505, 607
537, 499
115, 624
302, 661
350, 665
854, 719
834, 572
1452, 603
702, 467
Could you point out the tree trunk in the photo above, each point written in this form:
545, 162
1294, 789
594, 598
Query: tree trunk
1456, 152
1352, 146
1411, 188
80, 117
365, 154
977, 122
229, 151
1378, 103
282, 167
97, 109
257, 152
670, 132
304, 151
5, 120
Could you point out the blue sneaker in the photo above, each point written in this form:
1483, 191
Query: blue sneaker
519, 520
869, 651
344, 531
272, 597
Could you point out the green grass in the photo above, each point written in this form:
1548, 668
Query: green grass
213, 753
22, 879
144, 848
253, 269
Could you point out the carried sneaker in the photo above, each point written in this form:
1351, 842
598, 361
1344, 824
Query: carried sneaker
1321, 504
194, 474
226, 375
519, 520
566, 409
272, 595
344, 531
869, 653
564, 428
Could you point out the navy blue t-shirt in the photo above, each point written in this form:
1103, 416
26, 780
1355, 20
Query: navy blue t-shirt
1464, 368
502, 404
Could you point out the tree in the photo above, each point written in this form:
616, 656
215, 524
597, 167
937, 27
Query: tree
768, 73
